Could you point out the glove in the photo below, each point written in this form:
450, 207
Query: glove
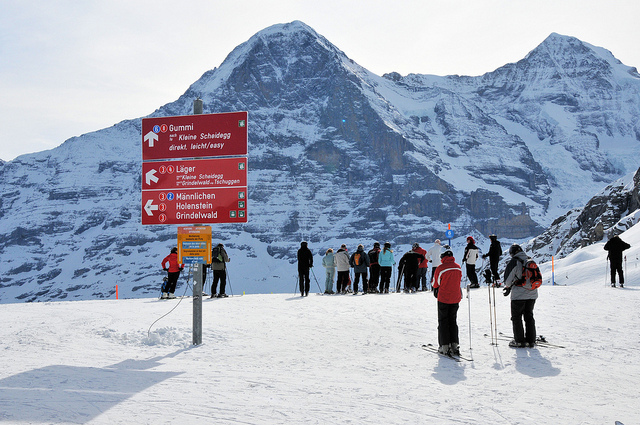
435, 292
166, 270
181, 268
506, 291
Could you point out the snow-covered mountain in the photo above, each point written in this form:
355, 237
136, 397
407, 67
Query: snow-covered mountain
336, 154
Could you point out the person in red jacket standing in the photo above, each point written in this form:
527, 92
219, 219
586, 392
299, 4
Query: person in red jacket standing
421, 277
173, 269
446, 288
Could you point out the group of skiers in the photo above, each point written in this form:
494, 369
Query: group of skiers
219, 260
445, 281
374, 267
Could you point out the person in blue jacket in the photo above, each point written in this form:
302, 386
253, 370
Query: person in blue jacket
386, 261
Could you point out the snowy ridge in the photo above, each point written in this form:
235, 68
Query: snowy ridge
337, 155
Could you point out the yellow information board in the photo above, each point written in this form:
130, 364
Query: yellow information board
194, 245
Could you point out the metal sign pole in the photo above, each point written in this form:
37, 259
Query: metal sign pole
197, 305
197, 281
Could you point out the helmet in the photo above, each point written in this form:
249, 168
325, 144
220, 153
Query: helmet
174, 250
387, 244
514, 249
415, 245
493, 237
303, 244
376, 244
470, 239
446, 252
437, 241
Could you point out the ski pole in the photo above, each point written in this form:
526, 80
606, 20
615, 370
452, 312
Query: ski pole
495, 317
316, 279
469, 304
490, 315
295, 288
226, 272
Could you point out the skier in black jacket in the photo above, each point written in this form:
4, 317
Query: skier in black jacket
305, 262
408, 266
494, 254
615, 246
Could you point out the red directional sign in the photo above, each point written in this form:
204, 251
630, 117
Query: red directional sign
188, 206
196, 173
193, 136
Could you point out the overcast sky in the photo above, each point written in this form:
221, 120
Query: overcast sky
71, 67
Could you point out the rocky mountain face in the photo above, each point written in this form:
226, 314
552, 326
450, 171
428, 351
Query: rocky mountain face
336, 154
609, 213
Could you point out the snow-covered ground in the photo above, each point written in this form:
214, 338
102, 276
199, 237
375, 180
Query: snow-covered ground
279, 358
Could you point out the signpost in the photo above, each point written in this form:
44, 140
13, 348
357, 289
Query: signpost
194, 136
195, 173
184, 181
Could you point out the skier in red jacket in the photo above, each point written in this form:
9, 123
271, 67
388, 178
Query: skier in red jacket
446, 288
173, 270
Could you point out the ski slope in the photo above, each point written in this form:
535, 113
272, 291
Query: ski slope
282, 359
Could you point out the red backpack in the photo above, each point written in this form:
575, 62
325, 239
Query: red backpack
531, 276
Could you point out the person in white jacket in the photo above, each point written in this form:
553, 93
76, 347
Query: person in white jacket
433, 255
342, 265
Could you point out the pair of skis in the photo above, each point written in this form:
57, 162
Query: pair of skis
540, 340
433, 349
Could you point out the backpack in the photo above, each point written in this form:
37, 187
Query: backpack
357, 259
531, 276
216, 256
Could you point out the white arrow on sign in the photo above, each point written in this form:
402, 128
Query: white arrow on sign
149, 207
151, 137
151, 177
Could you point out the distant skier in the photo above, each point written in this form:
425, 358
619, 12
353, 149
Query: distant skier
470, 257
615, 246
305, 262
329, 264
173, 269
446, 288
522, 300
219, 260
386, 264
342, 265
374, 267
494, 254
434, 257
423, 267
360, 262
408, 266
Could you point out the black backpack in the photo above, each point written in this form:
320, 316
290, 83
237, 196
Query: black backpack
216, 255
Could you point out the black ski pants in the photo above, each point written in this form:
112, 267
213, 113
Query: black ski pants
221, 276
471, 274
172, 281
447, 323
343, 281
523, 309
385, 279
493, 265
365, 282
304, 281
410, 279
374, 271
616, 266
